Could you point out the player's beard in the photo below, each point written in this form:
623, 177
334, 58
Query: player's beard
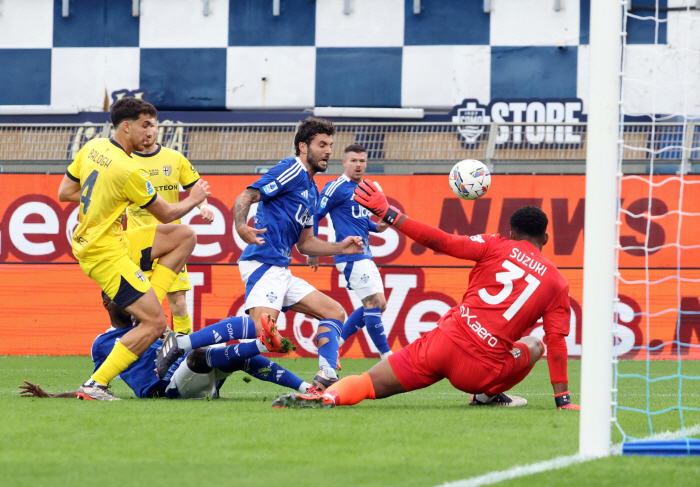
313, 159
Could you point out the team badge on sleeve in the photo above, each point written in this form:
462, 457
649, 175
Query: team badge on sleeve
324, 202
167, 170
149, 188
270, 188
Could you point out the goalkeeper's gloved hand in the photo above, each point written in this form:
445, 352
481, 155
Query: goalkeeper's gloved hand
369, 194
563, 400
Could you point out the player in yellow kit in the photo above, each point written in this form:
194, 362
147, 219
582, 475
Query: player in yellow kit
105, 179
168, 170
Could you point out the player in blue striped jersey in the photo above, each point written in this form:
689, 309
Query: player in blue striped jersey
286, 197
361, 273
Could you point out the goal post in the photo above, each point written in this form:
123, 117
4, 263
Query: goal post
599, 265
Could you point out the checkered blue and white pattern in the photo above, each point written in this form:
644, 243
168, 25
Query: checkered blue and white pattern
238, 55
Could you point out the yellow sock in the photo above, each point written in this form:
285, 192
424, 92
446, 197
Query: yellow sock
116, 362
182, 324
162, 280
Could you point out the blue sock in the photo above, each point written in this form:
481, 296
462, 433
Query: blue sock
232, 328
222, 357
328, 352
354, 323
375, 328
265, 369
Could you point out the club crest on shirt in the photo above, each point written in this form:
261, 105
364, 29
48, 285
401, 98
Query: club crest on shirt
141, 277
272, 297
167, 170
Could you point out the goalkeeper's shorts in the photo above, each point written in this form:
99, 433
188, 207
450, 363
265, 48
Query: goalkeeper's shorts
434, 356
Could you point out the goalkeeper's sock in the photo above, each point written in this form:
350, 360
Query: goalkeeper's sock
232, 328
182, 324
375, 328
116, 362
352, 325
328, 352
351, 390
162, 280
265, 369
224, 357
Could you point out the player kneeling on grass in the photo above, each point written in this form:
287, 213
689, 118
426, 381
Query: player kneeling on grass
199, 373
511, 286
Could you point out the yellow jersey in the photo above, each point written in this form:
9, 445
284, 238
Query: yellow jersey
109, 181
167, 169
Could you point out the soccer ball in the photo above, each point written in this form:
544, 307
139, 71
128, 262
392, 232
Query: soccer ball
470, 179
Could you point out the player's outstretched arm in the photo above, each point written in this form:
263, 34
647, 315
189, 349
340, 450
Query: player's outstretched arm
241, 208
33, 390
167, 212
69, 190
310, 245
370, 195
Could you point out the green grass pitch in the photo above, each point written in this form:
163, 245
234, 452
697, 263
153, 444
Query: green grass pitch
423, 438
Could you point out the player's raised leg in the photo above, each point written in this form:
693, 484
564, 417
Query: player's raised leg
229, 329
330, 315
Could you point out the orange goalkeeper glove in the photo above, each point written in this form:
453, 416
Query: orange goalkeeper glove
563, 400
370, 195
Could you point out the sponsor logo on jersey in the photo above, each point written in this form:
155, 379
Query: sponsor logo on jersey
324, 202
153, 172
270, 188
217, 337
140, 276
80, 240
515, 352
272, 297
303, 218
167, 170
477, 238
149, 188
476, 327
361, 212
166, 187
305, 194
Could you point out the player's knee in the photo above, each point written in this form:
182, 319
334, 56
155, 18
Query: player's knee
188, 237
197, 362
536, 348
335, 312
155, 325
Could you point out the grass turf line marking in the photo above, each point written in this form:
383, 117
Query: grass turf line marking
558, 462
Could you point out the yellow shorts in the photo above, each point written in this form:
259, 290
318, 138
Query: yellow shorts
121, 275
182, 283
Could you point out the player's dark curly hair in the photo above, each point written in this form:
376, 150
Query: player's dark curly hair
356, 148
310, 128
129, 108
529, 220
